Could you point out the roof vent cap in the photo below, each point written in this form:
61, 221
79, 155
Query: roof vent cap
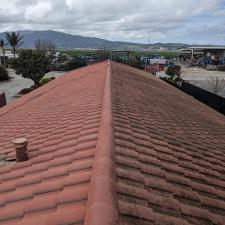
20, 145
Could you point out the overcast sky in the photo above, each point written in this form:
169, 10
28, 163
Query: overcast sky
187, 21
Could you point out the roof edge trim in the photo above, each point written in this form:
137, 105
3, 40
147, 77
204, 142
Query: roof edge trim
102, 198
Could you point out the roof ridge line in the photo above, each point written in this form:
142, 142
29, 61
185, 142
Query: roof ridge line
102, 201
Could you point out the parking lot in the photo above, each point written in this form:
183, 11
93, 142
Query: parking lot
199, 77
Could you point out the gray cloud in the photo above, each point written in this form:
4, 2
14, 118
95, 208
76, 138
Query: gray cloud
132, 20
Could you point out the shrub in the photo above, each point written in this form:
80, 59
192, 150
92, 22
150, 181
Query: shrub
4, 75
46, 80
136, 64
221, 68
25, 90
42, 82
170, 81
71, 65
173, 71
118, 59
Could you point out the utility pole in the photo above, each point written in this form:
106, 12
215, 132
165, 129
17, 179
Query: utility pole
110, 54
192, 55
104, 52
146, 57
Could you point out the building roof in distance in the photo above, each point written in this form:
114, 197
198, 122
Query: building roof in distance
109, 144
203, 48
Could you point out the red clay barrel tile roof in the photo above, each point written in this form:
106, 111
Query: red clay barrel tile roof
109, 144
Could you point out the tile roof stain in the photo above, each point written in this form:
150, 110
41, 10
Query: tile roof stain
109, 144
169, 153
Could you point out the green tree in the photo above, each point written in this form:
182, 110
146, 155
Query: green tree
174, 71
14, 40
175, 74
47, 46
31, 64
2, 46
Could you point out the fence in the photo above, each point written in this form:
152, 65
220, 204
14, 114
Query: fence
214, 101
2, 99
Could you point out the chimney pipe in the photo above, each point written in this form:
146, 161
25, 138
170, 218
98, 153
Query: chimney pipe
20, 145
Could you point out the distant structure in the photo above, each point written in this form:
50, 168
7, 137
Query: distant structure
129, 53
4, 58
163, 49
214, 53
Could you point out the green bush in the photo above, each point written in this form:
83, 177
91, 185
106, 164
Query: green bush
221, 68
136, 64
26, 90
71, 65
171, 81
46, 80
118, 59
33, 87
4, 75
173, 71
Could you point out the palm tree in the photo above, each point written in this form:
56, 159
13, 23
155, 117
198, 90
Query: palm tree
2, 46
14, 40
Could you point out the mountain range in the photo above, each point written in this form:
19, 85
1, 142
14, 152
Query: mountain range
68, 41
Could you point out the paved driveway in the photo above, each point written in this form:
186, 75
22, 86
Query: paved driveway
14, 85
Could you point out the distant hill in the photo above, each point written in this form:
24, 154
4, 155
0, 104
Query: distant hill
68, 41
